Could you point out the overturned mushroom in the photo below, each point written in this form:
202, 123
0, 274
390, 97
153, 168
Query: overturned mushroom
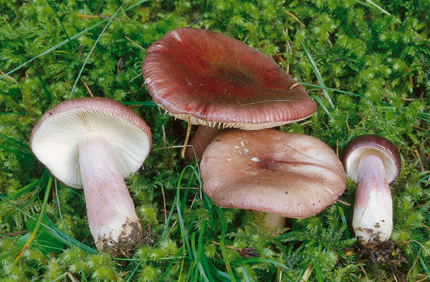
210, 79
373, 163
287, 174
94, 143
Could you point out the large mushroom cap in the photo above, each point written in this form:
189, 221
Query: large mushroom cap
371, 143
55, 138
208, 78
292, 175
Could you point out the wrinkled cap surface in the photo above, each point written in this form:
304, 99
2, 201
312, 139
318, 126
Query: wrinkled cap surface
55, 138
369, 143
292, 175
208, 78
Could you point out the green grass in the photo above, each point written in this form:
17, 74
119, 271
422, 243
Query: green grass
366, 63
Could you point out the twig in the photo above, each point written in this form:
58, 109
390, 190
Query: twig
131, 80
343, 202
99, 16
163, 129
420, 163
362, 268
71, 277
294, 85
187, 137
13, 234
364, 118
88, 89
246, 252
135, 43
164, 203
306, 274
428, 228
410, 77
337, 148
10, 77
172, 147
294, 17
305, 123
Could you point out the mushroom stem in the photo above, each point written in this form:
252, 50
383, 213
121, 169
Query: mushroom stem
112, 218
271, 220
373, 210
201, 139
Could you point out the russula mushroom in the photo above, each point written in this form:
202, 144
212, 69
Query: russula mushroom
373, 163
210, 79
287, 174
201, 139
94, 143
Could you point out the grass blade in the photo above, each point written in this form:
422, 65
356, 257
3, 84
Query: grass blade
64, 237
39, 221
16, 151
422, 261
22, 190
331, 89
42, 82
14, 141
321, 103
373, 5
318, 273
222, 244
62, 43
94, 46
317, 73
53, 48
245, 274
260, 260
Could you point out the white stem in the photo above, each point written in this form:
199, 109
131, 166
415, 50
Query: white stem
373, 210
112, 217
271, 220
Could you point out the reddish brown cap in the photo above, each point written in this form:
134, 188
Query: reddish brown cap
208, 78
55, 138
371, 143
293, 175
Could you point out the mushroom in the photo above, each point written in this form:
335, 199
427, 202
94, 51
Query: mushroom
94, 143
210, 79
201, 139
373, 163
287, 174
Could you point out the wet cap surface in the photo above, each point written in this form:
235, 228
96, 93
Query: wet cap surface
212, 79
379, 146
292, 175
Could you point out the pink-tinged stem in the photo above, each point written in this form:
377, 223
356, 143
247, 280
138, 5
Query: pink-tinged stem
373, 210
111, 213
201, 139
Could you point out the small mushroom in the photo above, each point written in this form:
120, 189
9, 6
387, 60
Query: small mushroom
94, 143
373, 163
287, 174
210, 79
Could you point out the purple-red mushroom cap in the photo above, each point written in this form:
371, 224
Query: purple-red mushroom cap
292, 175
55, 138
369, 143
208, 78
